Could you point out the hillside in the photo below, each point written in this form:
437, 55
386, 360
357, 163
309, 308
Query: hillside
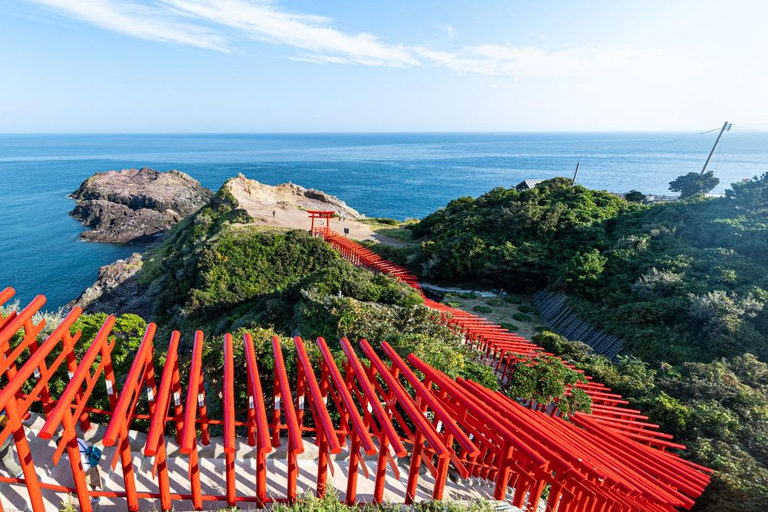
684, 284
226, 268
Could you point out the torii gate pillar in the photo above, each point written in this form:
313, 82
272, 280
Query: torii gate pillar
321, 214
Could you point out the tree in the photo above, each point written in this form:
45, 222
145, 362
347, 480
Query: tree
634, 196
694, 183
751, 194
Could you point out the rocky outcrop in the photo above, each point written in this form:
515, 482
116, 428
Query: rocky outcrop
135, 205
117, 290
258, 198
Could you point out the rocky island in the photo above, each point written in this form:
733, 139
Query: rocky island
135, 205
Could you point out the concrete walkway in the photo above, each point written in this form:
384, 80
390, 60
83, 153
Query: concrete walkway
213, 481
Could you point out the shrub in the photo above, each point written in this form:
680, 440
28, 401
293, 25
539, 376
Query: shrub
381, 220
468, 296
509, 327
494, 302
546, 379
454, 303
483, 309
520, 317
512, 299
657, 283
525, 309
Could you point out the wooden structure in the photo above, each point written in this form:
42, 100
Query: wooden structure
321, 230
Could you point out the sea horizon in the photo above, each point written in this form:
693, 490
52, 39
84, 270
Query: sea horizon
394, 174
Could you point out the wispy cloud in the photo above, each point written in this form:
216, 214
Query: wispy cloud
527, 62
312, 34
451, 30
153, 23
218, 24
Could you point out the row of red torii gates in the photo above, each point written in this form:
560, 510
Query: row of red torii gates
384, 405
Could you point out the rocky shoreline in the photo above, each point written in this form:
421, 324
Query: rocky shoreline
135, 205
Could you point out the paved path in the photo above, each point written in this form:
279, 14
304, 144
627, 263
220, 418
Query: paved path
14, 497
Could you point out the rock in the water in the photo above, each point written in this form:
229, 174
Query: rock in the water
136, 205
117, 289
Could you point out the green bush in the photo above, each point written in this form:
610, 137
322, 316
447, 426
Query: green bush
525, 309
483, 309
454, 303
509, 327
546, 380
520, 317
512, 299
495, 302
468, 296
516, 240
381, 220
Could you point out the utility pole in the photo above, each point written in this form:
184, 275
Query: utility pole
575, 173
725, 128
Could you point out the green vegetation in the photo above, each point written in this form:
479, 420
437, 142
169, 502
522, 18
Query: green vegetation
525, 309
216, 274
401, 234
127, 333
483, 309
694, 183
509, 327
546, 379
683, 283
512, 299
331, 503
391, 228
635, 196
717, 409
495, 302
521, 317
374, 221
514, 240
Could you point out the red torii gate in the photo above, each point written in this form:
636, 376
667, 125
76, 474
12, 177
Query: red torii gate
588, 463
321, 214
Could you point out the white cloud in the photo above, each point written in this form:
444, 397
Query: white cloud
263, 21
451, 30
137, 20
218, 24
528, 62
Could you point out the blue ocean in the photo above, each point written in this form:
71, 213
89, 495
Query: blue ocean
383, 175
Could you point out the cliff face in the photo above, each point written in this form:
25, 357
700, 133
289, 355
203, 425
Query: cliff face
135, 205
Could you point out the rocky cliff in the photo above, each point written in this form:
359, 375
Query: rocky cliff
135, 205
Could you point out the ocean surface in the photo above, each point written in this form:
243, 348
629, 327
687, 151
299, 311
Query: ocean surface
383, 175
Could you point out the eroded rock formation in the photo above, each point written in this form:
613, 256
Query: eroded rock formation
135, 205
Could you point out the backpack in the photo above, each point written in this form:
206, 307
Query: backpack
94, 456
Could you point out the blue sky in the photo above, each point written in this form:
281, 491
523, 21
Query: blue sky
124, 66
